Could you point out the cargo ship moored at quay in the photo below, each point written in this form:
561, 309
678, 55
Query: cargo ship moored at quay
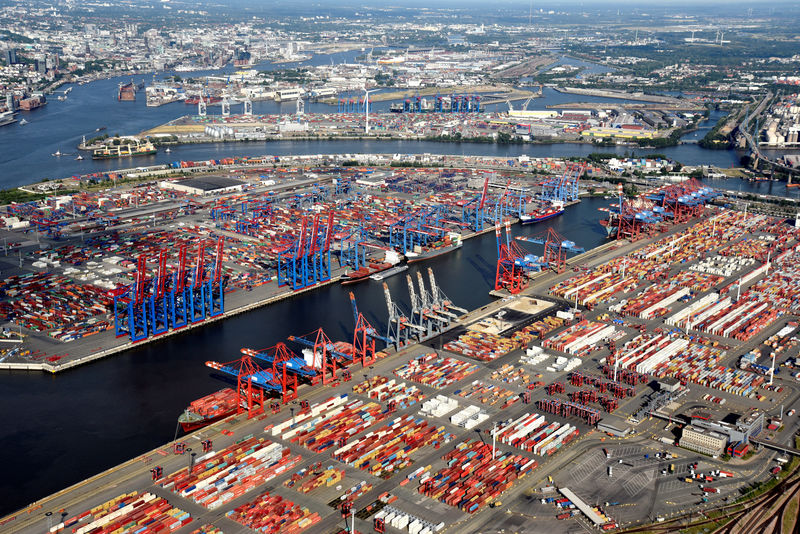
209, 409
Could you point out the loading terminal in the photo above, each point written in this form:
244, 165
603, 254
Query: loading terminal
582, 506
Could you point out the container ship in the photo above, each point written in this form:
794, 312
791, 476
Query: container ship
543, 214
451, 242
391, 259
126, 92
138, 148
208, 409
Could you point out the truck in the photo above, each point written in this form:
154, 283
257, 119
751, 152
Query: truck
708, 489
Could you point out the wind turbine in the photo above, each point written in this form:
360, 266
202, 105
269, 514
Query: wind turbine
366, 107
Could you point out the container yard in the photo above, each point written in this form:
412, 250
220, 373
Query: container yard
549, 402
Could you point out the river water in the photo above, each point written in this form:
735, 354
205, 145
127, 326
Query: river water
26, 150
57, 430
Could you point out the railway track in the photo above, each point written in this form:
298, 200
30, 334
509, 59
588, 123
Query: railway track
758, 518
752, 512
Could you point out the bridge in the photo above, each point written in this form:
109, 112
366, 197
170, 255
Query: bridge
775, 446
753, 144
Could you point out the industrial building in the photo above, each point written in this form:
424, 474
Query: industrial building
741, 432
616, 426
207, 185
703, 440
669, 384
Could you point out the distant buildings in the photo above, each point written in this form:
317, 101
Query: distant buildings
10, 56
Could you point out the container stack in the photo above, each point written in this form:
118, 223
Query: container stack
581, 338
434, 371
405, 521
481, 346
537, 330
354, 492
220, 477
653, 302
438, 406
469, 417
273, 513
131, 513
488, 394
48, 302
384, 389
779, 287
688, 361
511, 375
595, 286
472, 478
723, 266
306, 480
532, 433
388, 449
328, 424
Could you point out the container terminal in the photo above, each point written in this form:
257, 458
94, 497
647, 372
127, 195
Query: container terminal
648, 380
93, 273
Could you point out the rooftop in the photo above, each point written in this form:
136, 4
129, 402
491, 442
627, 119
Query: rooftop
210, 183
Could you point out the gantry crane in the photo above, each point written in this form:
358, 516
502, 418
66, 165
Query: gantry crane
399, 329
364, 337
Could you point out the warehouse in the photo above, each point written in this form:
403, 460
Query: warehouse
616, 426
203, 186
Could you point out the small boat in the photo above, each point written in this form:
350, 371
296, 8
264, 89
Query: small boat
79, 158
57, 153
101, 128
167, 150
23, 122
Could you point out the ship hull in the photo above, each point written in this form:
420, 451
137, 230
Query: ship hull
533, 220
432, 254
117, 156
194, 425
364, 274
